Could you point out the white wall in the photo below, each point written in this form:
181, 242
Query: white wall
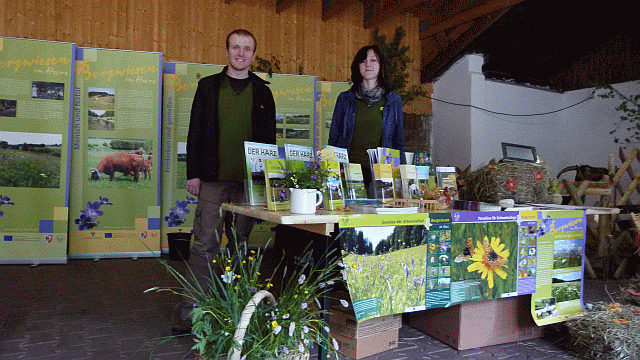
463, 136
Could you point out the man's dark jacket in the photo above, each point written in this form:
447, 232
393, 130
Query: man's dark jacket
202, 141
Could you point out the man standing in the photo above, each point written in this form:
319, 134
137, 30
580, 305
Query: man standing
228, 108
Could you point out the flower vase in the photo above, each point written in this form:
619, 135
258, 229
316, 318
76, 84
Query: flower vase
304, 201
554, 196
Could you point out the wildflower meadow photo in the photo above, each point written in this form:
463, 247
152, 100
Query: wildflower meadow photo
30, 160
384, 268
485, 260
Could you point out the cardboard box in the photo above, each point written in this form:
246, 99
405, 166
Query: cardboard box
368, 345
481, 323
344, 322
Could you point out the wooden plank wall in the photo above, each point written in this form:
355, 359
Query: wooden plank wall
195, 31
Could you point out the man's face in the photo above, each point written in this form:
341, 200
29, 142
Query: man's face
241, 52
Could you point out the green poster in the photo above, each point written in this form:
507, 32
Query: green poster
36, 82
383, 258
560, 262
114, 208
179, 88
295, 104
328, 94
178, 206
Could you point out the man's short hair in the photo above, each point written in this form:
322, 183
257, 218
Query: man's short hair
243, 32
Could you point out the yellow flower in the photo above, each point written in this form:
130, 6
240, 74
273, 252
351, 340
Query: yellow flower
253, 252
353, 266
306, 292
295, 296
489, 258
244, 262
228, 261
274, 324
269, 285
238, 276
214, 261
250, 258
228, 268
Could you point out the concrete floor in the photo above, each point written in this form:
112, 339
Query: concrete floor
97, 310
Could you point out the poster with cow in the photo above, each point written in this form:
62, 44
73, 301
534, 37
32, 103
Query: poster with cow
115, 179
35, 121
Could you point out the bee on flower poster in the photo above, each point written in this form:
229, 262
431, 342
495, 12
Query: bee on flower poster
484, 255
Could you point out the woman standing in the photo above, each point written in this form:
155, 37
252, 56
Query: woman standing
369, 114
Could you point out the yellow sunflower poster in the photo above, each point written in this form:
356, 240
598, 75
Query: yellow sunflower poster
484, 252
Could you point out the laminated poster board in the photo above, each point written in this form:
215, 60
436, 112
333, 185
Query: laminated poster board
561, 238
36, 82
384, 262
115, 189
328, 92
404, 263
294, 96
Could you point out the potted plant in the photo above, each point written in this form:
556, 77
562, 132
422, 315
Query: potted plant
305, 183
238, 318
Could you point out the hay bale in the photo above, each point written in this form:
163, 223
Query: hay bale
606, 332
521, 181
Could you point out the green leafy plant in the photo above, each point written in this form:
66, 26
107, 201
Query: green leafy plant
282, 330
630, 120
397, 63
313, 176
266, 65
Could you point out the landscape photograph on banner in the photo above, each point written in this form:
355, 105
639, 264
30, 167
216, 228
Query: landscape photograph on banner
30, 160
379, 258
119, 163
181, 165
47, 90
101, 98
484, 261
8, 107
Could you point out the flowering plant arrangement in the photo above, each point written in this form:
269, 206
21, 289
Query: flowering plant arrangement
286, 329
313, 176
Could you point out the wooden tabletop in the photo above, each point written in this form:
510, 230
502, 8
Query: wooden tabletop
322, 222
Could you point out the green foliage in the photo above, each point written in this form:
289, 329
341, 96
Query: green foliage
29, 169
629, 122
397, 63
263, 65
292, 325
119, 144
313, 176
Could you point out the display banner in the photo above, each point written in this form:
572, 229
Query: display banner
328, 92
178, 206
295, 108
483, 255
560, 237
36, 82
115, 189
384, 262
180, 84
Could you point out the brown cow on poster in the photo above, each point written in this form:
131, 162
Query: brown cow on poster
126, 163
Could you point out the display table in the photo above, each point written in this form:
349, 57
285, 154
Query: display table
322, 222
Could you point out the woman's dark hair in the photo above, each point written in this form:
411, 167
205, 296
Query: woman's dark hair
361, 55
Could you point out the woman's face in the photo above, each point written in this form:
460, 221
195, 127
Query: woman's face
370, 67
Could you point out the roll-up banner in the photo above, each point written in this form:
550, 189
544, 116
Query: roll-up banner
115, 186
327, 95
36, 82
180, 84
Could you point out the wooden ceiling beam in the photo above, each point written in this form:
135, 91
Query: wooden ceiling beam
376, 12
282, 5
464, 17
332, 8
453, 44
